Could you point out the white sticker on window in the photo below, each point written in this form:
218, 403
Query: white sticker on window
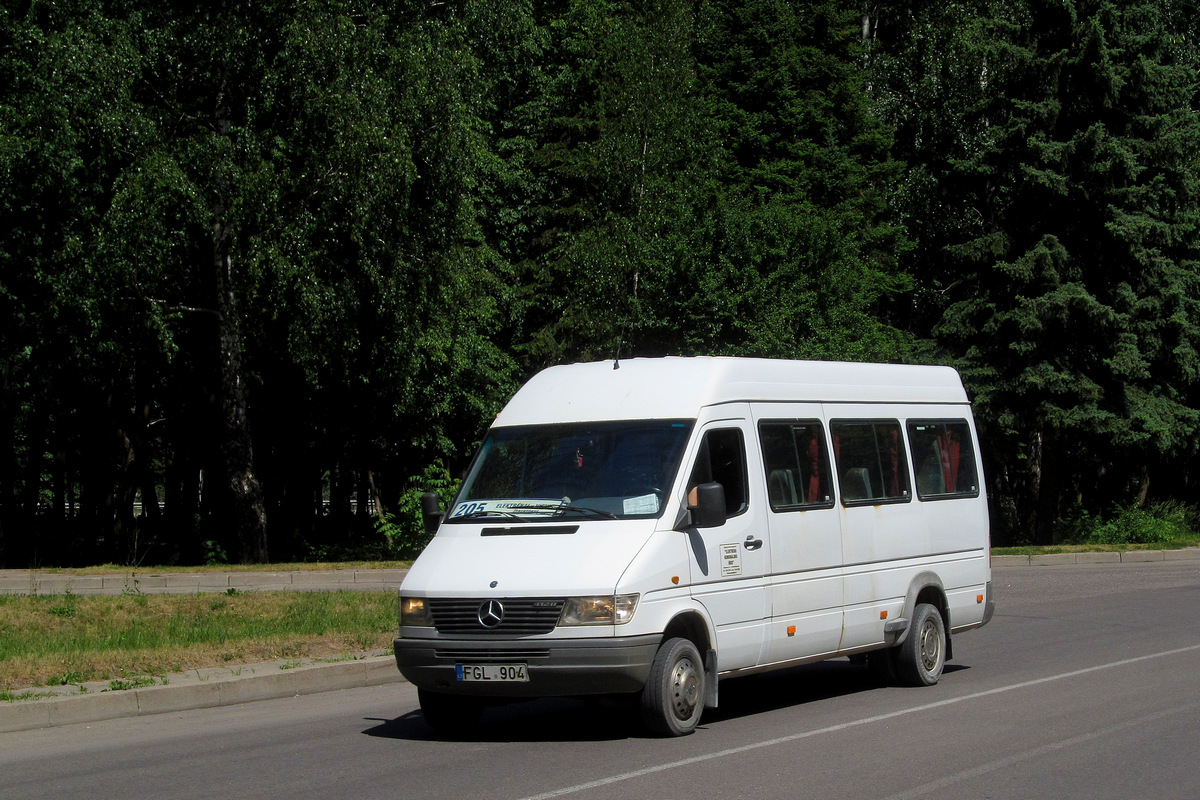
524, 507
731, 560
646, 504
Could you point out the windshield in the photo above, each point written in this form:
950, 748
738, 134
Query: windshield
593, 470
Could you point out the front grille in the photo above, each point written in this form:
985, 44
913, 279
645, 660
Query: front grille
521, 616
502, 656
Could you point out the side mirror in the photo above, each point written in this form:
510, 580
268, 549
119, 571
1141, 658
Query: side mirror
431, 511
709, 510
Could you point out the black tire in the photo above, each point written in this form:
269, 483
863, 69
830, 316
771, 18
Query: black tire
673, 698
922, 654
450, 715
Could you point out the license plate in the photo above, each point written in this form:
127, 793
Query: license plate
492, 672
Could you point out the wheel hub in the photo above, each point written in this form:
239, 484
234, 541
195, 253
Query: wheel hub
931, 646
685, 688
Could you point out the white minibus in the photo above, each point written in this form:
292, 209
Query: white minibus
649, 527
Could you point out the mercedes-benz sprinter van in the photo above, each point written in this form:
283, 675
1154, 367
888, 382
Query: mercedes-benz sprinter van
650, 526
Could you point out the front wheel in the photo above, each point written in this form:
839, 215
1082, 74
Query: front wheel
673, 697
922, 655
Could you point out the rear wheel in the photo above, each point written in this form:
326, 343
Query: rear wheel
673, 697
450, 715
922, 655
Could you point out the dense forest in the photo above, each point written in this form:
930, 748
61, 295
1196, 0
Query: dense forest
268, 269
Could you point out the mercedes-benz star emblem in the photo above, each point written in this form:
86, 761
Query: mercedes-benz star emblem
491, 614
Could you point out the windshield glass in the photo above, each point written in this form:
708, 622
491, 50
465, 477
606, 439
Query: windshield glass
593, 470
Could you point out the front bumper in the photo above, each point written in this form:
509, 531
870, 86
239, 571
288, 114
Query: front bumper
558, 667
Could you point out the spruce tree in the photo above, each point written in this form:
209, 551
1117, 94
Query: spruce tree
802, 249
1074, 314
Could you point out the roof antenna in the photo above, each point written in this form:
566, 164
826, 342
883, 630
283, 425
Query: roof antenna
621, 336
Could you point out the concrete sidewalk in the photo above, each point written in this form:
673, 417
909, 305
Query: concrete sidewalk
1129, 557
135, 581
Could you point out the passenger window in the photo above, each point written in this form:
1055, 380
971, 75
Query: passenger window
943, 459
797, 464
722, 459
871, 464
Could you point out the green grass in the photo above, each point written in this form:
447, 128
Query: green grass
122, 684
1159, 526
68, 639
7, 696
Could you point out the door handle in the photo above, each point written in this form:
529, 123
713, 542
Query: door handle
751, 543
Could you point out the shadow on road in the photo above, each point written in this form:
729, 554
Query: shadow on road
542, 720
570, 719
798, 686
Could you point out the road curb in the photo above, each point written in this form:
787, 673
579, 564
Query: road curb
199, 689
1128, 557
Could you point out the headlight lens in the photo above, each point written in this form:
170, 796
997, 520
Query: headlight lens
599, 610
415, 611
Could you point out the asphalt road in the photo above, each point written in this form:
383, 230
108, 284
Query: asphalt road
1086, 684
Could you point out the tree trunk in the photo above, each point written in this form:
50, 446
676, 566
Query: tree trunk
868, 23
244, 497
375, 499
8, 465
339, 490
1035, 522
363, 501
125, 524
1143, 487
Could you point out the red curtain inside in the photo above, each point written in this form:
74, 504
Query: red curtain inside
894, 455
950, 447
814, 475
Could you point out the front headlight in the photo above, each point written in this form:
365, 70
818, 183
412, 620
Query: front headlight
598, 610
415, 611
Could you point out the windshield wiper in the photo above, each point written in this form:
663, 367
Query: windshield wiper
491, 512
594, 512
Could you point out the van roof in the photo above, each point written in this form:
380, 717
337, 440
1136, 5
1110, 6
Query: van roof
677, 388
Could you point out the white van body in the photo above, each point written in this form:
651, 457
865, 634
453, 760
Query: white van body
851, 503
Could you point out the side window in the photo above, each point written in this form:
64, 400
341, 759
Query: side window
943, 459
797, 464
722, 458
871, 464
